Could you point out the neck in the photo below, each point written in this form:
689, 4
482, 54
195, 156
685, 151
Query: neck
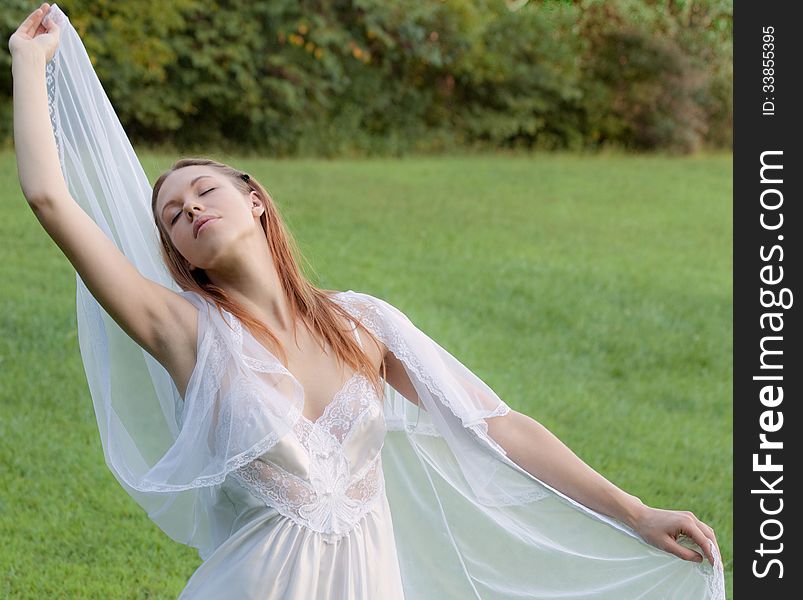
251, 279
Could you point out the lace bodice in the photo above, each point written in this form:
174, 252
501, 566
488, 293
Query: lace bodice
325, 474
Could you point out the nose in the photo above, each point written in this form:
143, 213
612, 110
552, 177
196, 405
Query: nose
193, 206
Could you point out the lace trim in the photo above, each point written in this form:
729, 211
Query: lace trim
371, 318
210, 480
53, 100
339, 418
214, 348
331, 503
713, 575
334, 500
336, 416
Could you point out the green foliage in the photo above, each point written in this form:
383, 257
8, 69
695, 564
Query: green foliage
363, 77
658, 73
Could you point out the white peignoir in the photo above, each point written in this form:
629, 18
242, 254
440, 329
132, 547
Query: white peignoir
380, 498
313, 519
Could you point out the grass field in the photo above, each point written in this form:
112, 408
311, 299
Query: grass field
592, 293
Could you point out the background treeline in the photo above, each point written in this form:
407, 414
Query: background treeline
368, 77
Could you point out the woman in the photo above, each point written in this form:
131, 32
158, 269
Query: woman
309, 443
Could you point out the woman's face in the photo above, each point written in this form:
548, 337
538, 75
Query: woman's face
190, 195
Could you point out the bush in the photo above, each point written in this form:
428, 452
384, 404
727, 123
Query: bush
363, 77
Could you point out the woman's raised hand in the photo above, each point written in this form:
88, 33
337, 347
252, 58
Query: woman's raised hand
36, 34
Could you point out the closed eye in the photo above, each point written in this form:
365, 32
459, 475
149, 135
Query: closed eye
179, 213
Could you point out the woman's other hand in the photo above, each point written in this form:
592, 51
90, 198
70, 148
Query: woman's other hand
36, 34
661, 528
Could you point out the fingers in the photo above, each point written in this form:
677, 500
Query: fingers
33, 20
670, 545
28, 26
695, 533
44, 23
709, 533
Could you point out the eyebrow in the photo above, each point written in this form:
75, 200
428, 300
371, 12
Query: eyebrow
174, 200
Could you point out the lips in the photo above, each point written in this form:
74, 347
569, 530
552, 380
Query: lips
197, 225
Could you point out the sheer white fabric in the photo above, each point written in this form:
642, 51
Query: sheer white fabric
327, 494
467, 522
312, 517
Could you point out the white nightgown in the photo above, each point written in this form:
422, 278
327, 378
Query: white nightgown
313, 518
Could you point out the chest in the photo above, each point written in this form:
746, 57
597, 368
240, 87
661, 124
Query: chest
326, 474
321, 375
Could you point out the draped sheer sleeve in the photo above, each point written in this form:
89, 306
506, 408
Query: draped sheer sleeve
170, 453
471, 523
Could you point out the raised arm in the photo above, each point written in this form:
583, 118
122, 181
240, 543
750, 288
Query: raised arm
155, 317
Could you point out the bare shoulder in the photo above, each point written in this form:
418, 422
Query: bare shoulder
377, 349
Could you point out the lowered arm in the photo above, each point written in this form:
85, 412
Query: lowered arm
539, 452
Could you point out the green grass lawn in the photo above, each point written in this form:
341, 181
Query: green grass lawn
592, 293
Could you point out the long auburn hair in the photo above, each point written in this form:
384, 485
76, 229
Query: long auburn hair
311, 304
